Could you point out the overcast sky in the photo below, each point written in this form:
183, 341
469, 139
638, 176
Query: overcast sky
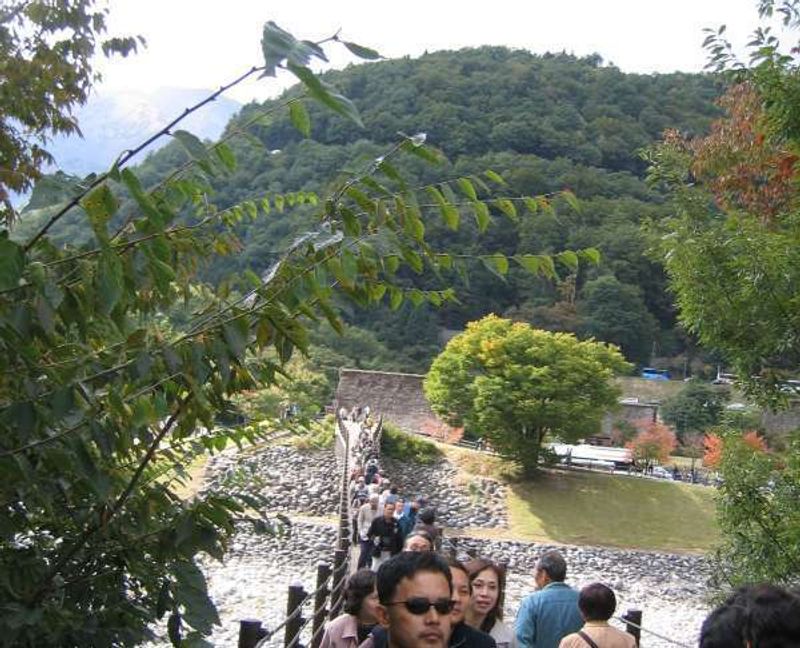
204, 43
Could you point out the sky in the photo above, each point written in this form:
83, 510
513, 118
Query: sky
206, 43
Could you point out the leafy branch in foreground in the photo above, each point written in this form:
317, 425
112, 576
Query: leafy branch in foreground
106, 395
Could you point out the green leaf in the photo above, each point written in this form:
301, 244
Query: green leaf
12, 262
325, 94
390, 172
277, 44
451, 216
507, 207
45, 314
572, 200
569, 259
468, 188
496, 264
226, 156
194, 147
482, 217
300, 118
531, 262
449, 213
391, 263
100, 206
531, 204
494, 177
416, 297
395, 298
413, 259
362, 200
444, 261
352, 226
142, 199
235, 334
109, 281
590, 254
362, 52
414, 145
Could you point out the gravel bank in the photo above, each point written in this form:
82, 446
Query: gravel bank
253, 580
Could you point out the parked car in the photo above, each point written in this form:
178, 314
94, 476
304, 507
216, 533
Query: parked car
661, 473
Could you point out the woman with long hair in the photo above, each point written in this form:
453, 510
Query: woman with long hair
485, 611
348, 630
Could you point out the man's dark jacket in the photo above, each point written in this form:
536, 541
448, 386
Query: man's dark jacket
463, 636
388, 536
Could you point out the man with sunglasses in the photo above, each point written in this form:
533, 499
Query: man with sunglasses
415, 593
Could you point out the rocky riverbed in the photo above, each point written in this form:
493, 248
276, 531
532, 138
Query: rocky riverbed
254, 579
293, 481
307, 483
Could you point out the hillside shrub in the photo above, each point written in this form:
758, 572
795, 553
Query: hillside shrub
406, 447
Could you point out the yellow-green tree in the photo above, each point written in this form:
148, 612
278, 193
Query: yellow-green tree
515, 384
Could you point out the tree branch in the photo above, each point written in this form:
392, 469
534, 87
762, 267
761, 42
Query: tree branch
118, 503
127, 155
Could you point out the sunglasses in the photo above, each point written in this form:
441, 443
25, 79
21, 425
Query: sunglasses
419, 605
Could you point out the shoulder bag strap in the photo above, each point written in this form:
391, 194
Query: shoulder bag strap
587, 639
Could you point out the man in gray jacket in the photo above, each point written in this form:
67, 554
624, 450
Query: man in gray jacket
366, 514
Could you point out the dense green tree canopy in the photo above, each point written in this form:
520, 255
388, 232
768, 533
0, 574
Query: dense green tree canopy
730, 246
615, 312
695, 408
545, 123
514, 385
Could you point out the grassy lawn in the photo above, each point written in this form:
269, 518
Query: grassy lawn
599, 509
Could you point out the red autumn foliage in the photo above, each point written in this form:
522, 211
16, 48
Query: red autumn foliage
654, 442
713, 447
744, 166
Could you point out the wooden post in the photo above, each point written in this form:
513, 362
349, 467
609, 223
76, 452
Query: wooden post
323, 574
337, 585
250, 633
294, 601
633, 624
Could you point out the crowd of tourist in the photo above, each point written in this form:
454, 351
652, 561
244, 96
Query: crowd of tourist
385, 521
406, 594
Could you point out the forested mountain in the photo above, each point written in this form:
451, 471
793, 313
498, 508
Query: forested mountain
545, 123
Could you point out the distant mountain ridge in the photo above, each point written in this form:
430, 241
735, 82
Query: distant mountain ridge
114, 121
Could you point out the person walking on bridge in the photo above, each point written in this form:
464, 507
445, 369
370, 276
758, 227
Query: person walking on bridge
384, 535
366, 514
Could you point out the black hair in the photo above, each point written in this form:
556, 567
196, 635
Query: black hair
553, 563
419, 533
405, 565
428, 515
597, 602
359, 586
457, 564
765, 615
475, 567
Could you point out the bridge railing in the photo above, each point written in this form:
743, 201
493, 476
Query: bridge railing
326, 600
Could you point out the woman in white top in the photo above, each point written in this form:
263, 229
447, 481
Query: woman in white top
485, 611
